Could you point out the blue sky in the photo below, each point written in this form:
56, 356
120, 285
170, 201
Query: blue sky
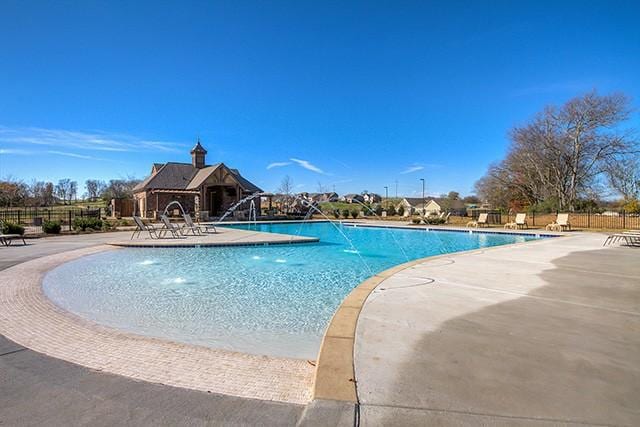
356, 95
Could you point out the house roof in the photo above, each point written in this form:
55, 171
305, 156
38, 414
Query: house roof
185, 176
451, 204
245, 183
202, 175
171, 175
198, 148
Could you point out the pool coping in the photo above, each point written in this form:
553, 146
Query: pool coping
227, 237
335, 378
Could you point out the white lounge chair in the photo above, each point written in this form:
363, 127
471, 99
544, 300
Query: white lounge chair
560, 224
197, 228
519, 222
141, 226
482, 221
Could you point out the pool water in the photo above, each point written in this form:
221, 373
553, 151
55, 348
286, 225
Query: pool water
274, 300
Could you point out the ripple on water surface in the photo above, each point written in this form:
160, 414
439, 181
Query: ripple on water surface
274, 300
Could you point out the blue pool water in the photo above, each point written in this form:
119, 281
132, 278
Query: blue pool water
274, 300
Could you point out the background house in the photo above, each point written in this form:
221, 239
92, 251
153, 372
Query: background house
372, 198
431, 206
206, 190
352, 198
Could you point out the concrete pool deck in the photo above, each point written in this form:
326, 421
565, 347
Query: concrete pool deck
540, 333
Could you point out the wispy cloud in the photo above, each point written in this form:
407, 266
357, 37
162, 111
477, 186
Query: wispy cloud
74, 155
307, 165
91, 141
412, 169
15, 151
277, 165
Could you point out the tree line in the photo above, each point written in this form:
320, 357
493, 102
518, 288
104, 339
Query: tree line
17, 193
568, 157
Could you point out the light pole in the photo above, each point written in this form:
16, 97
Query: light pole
423, 207
386, 195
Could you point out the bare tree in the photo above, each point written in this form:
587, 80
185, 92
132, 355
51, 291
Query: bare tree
41, 193
119, 188
62, 189
94, 187
623, 175
13, 192
561, 155
286, 189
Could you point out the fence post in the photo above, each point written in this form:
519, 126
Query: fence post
624, 219
589, 218
533, 214
69, 220
18, 216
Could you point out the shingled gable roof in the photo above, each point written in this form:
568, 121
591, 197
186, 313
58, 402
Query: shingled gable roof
453, 204
201, 176
184, 176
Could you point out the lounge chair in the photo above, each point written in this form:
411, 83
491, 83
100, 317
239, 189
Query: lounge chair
7, 239
141, 226
169, 227
519, 222
560, 224
197, 228
446, 218
630, 238
482, 221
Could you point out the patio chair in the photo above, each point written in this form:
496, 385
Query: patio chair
169, 227
560, 224
141, 226
519, 222
7, 239
197, 228
482, 221
631, 239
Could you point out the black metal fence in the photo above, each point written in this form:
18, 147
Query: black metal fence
610, 219
34, 217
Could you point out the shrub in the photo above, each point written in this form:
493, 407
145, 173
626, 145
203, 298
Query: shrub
336, 213
416, 220
51, 227
391, 211
379, 210
632, 206
354, 214
345, 213
401, 210
85, 224
12, 228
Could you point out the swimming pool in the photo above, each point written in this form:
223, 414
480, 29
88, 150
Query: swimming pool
272, 300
